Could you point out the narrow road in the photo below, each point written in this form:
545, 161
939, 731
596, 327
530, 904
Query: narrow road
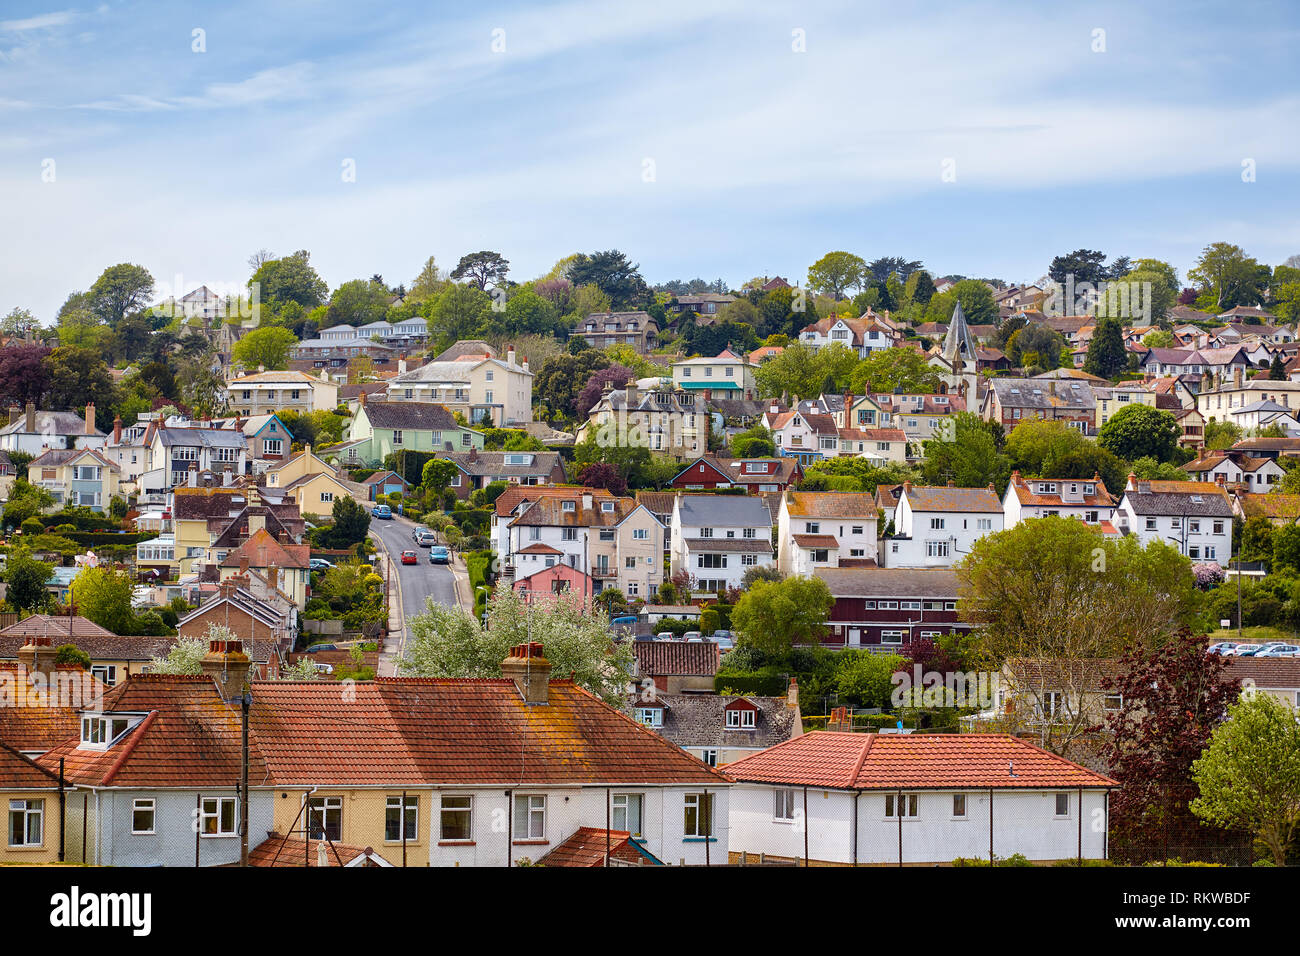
415, 584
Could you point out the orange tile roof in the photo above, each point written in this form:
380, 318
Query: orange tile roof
281, 851
588, 846
447, 731
816, 540
927, 498
19, 772
830, 504
43, 714
511, 498
1101, 499
859, 761
263, 551
46, 625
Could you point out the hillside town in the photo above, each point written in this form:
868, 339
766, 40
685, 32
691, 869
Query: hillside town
872, 566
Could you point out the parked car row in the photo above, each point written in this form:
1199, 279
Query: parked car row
1269, 649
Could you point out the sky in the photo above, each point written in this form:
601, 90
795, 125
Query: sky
717, 139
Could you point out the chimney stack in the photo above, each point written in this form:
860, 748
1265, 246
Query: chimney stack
792, 694
227, 664
31, 418
37, 655
117, 429
630, 391
530, 671
510, 355
14, 412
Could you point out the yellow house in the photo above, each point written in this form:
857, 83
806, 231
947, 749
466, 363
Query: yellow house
192, 510
1111, 400
360, 816
310, 482
112, 657
75, 476
30, 797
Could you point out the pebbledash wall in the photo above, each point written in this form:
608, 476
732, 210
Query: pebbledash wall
110, 841
1024, 821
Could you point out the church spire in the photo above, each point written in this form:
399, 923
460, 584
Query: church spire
958, 344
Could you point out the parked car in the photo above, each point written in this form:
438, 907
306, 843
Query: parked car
410, 557
322, 668
1279, 650
418, 530
321, 647
724, 643
439, 554
1247, 650
1223, 647
382, 511
665, 636
319, 564
628, 620
694, 636
427, 539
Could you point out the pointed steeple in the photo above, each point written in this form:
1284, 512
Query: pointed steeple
958, 344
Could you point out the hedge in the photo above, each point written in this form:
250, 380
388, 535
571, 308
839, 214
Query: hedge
479, 565
100, 539
760, 683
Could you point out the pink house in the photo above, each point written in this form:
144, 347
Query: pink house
551, 580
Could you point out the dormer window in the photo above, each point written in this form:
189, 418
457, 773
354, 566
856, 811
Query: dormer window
101, 731
737, 719
650, 716
607, 507
568, 506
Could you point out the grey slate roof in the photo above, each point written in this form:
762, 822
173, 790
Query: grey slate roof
1176, 504
726, 511
202, 437
51, 423
1030, 393
697, 720
493, 463
413, 415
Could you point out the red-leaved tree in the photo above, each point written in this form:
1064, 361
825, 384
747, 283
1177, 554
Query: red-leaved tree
601, 474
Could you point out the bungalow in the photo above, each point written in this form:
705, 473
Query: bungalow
854, 799
1235, 468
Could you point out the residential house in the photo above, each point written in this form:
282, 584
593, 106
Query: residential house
268, 439
675, 667
719, 729
478, 469
1088, 500
385, 482
605, 329
1218, 404
33, 431
32, 795
279, 561
381, 428
264, 393
1195, 364
112, 657
1269, 447
804, 436
1009, 401
854, 799
129, 449
669, 420
879, 444
938, 526
517, 499
266, 624
1235, 468
757, 475
1111, 399
1279, 509
727, 375
390, 769
542, 574
717, 538
80, 477
884, 608
825, 529
1265, 414
483, 389
1194, 517
311, 482
921, 416
339, 358
176, 454
705, 305
864, 335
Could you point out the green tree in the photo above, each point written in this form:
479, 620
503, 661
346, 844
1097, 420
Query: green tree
976, 300
1107, 356
1227, 277
26, 580
79, 376
103, 595
71, 655
266, 347
837, 272
576, 639
1140, 430
1157, 339
1249, 776
351, 523
889, 370
458, 313
290, 280
865, 678
969, 458
754, 442
774, 616
482, 269
119, 291
612, 273
358, 302
428, 283
19, 323
438, 474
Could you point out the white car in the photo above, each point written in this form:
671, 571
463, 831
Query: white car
1279, 650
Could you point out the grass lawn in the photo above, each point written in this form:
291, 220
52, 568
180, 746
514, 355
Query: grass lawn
1253, 635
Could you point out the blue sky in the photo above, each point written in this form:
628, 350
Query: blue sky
764, 158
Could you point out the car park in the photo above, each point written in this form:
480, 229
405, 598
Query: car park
1223, 647
439, 554
1279, 650
382, 511
410, 557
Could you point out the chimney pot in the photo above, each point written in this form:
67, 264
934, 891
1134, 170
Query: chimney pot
530, 670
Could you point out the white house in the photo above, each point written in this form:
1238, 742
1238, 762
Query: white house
863, 335
1086, 500
825, 530
717, 538
1194, 517
937, 526
1236, 468
480, 387
839, 798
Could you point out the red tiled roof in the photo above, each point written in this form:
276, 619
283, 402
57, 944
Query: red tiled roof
830, 504
446, 731
46, 625
42, 716
19, 772
859, 761
278, 851
263, 551
539, 548
588, 846
511, 498
676, 658
816, 540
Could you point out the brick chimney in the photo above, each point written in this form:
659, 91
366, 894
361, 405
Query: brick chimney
37, 655
31, 418
227, 664
792, 694
15, 412
117, 429
907, 487
839, 720
530, 671
90, 418
630, 391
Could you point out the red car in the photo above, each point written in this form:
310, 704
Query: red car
409, 557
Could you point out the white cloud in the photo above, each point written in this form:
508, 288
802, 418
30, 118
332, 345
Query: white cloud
43, 21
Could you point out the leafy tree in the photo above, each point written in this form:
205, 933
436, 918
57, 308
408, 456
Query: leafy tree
559, 381
458, 313
1055, 588
976, 304
1086, 265
774, 616
1037, 345
186, 655
19, 323
1156, 339
428, 283
865, 678
1140, 430
482, 269
919, 288
754, 442
837, 272
615, 375
611, 273
760, 572
527, 313
969, 458
891, 369
1107, 356
450, 642
1249, 776
26, 580
291, 279
881, 269
78, 376
603, 475
438, 473
1221, 434
1227, 277
265, 347
351, 523
632, 461
358, 302
66, 655
800, 372
24, 375
103, 595
119, 291
1172, 698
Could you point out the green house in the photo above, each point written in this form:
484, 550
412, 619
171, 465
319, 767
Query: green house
380, 428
